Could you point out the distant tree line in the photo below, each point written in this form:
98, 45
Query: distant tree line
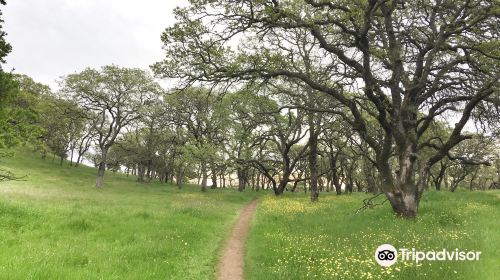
257, 138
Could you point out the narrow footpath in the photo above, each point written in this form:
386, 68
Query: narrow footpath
232, 262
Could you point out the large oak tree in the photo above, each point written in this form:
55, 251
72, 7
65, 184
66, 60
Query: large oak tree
409, 63
114, 97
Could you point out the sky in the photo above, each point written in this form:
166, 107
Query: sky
53, 38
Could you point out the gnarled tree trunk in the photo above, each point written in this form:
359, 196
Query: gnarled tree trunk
403, 193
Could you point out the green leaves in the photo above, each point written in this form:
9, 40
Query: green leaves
5, 48
18, 110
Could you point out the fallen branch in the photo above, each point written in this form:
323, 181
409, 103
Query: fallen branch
368, 203
8, 176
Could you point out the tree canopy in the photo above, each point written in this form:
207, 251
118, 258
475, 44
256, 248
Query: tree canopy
408, 63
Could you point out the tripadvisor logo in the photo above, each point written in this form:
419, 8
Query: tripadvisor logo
386, 255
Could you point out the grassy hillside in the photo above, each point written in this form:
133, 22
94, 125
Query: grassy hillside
56, 225
294, 239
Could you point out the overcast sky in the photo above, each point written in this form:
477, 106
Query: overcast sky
52, 38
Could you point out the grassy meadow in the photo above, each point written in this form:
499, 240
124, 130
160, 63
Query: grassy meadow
55, 225
294, 239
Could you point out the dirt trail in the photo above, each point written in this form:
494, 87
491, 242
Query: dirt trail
232, 261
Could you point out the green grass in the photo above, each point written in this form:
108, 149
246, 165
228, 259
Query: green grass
56, 225
294, 239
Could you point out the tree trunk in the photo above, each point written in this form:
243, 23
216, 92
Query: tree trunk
78, 159
204, 177
148, 172
348, 186
349, 177
335, 175
313, 159
71, 157
199, 177
140, 173
179, 176
359, 186
472, 179
242, 178
404, 195
457, 180
439, 178
274, 187
283, 183
286, 172
100, 170
214, 179
338, 188
404, 204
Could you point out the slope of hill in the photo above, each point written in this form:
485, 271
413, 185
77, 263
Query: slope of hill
55, 225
